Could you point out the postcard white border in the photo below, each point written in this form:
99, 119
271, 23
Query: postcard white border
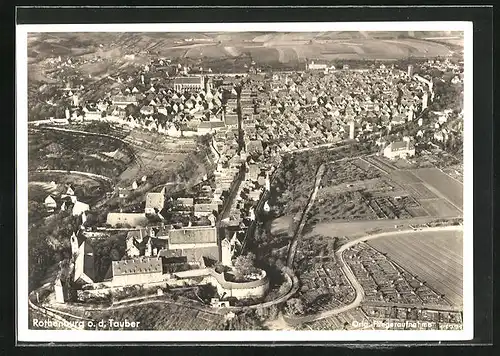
26, 335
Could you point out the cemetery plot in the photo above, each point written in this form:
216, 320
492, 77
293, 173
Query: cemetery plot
350, 320
345, 206
323, 285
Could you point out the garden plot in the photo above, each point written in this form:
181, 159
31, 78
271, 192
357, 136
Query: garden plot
348, 171
344, 206
435, 257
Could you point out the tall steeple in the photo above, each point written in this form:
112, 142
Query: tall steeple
268, 182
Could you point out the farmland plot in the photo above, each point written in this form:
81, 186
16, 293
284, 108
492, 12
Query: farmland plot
420, 191
435, 257
450, 188
440, 207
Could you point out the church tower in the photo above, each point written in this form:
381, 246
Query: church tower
268, 182
59, 291
425, 99
149, 248
226, 252
76, 100
74, 244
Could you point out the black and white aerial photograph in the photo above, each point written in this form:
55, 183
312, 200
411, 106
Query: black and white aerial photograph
290, 180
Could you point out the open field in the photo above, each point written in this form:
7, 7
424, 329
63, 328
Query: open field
456, 172
353, 229
420, 191
440, 207
450, 188
265, 48
435, 257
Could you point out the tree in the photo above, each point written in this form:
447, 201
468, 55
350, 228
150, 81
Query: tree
295, 306
243, 266
207, 291
36, 211
131, 109
114, 254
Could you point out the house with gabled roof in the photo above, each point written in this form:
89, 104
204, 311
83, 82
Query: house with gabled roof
155, 202
147, 110
85, 272
50, 203
138, 270
193, 243
399, 149
205, 209
131, 219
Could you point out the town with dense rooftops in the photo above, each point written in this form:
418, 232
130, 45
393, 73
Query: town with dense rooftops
246, 181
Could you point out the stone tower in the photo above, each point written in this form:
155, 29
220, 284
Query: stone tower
59, 291
425, 99
74, 244
149, 248
226, 253
351, 129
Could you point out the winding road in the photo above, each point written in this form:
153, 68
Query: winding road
126, 145
352, 278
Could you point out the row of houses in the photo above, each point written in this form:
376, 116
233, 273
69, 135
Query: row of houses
66, 201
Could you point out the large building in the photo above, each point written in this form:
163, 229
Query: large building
123, 100
316, 66
137, 271
189, 83
193, 244
399, 149
205, 209
155, 202
206, 127
131, 219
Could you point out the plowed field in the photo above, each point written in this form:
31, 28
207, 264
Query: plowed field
435, 257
